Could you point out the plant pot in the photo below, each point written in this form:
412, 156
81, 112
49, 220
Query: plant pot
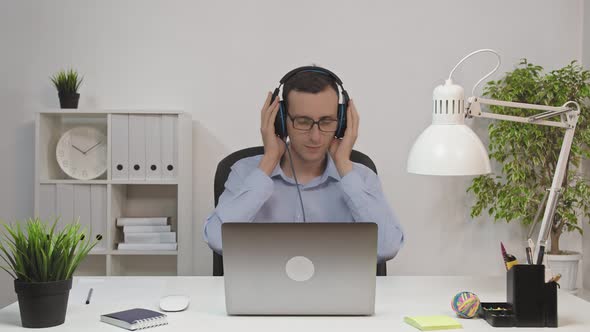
567, 265
42, 304
68, 100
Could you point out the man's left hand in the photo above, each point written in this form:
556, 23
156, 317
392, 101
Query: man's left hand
340, 149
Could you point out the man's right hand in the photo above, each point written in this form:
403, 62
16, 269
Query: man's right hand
274, 146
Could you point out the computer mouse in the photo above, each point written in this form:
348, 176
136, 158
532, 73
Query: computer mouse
174, 303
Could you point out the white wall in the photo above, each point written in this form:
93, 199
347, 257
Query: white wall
217, 60
586, 61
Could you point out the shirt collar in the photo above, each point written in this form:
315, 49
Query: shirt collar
330, 171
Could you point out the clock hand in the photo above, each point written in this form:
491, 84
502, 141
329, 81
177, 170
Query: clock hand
92, 147
75, 147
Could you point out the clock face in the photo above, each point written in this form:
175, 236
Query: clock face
82, 153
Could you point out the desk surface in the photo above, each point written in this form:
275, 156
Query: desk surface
396, 298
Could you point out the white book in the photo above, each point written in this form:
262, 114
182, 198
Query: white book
146, 229
169, 237
148, 221
147, 246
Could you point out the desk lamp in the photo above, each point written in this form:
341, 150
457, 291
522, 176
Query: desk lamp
449, 147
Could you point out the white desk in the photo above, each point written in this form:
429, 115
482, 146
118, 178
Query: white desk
396, 298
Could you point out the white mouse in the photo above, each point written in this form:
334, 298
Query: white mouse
174, 303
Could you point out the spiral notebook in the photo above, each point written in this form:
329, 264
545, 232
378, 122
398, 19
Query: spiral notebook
135, 319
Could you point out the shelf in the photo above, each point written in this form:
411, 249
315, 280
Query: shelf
99, 251
72, 181
147, 182
89, 111
97, 203
145, 252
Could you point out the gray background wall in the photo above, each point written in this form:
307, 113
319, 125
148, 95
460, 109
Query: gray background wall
217, 60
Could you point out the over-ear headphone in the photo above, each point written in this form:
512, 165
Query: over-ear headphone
281, 118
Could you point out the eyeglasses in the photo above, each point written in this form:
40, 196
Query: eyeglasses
306, 123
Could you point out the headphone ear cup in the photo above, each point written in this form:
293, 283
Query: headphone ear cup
281, 121
341, 120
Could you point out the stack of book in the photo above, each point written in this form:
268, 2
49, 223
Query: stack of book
152, 233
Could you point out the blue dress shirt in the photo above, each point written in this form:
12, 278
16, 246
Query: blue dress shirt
251, 195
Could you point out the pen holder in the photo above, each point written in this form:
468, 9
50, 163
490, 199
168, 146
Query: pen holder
530, 301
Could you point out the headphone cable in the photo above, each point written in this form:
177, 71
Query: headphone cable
296, 182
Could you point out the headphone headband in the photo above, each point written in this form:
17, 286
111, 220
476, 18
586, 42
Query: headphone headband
310, 68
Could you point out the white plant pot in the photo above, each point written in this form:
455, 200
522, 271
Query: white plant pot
566, 265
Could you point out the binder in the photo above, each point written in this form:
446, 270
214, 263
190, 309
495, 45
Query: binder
169, 146
153, 157
65, 204
98, 213
119, 146
47, 197
137, 147
82, 206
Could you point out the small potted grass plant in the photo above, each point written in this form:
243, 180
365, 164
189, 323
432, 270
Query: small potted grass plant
67, 84
42, 261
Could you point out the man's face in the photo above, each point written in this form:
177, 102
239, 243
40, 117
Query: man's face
312, 145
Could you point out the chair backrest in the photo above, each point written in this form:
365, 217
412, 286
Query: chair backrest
222, 173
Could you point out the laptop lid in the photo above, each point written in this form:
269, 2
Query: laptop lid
299, 268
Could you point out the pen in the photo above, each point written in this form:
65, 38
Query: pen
529, 255
530, 250
556, 278
89, 295
509, 260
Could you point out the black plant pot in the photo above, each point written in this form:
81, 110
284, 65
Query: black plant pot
68, 100
42, 304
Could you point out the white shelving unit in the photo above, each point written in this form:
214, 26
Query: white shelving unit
100, 201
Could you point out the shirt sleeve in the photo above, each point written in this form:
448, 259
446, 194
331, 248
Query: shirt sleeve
365, 198
242, 198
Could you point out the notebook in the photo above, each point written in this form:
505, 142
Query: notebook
431, 323
135, 319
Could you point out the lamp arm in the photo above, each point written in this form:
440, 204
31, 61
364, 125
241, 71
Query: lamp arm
473, 109
569, 119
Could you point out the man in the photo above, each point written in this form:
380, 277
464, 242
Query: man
262, 188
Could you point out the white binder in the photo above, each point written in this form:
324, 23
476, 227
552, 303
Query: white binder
119, 146
169, 146
98, 213
65, 205
153, 158
82, 205
136, 147
47, 196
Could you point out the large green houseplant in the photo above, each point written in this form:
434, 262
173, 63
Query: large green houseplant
42, 261
528, 153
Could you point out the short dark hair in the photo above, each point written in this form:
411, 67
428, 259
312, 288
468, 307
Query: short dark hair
308, 81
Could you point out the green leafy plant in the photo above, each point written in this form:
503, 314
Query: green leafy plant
528, 153
39, 253
67, 82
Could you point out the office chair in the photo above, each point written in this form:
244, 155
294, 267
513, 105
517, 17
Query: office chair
222, 173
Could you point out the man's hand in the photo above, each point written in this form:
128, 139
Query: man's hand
274, 146
340, 149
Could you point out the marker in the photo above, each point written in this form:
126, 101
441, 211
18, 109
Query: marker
89, 295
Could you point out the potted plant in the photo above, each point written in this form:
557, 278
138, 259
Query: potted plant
67, 84
528, 155
42, 261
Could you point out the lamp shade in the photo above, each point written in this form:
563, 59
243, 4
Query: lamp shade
448, 146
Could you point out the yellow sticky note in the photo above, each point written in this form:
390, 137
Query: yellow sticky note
431, 323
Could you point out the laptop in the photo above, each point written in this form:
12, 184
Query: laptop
299, 268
